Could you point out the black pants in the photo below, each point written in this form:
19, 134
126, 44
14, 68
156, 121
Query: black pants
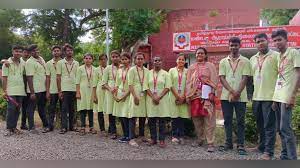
40, 102
153, 128
24, 115
177, 127
90, 116
112, 128
240, 110
67, 110
125, 126
52, 109
132, 124
13, 112
101, 121
266, 125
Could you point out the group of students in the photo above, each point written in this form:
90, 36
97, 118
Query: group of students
135, 92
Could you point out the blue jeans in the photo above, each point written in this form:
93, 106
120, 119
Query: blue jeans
177, 127
266, 125
284, 126
240, 110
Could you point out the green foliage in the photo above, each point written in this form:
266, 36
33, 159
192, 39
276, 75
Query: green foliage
3, 104
296, 117
278, 16
131, 25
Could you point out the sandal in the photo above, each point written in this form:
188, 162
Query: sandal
241, 150
113, 136
82, 131
17, 132
93, 131
210, 148
225, 147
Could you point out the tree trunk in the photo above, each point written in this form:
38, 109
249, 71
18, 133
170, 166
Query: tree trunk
66, 32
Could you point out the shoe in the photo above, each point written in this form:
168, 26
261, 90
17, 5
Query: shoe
17, 132
74, 129
45, 130
162, 144
92, 131
8, 132
24, 127
63, 131
103, 133
82, 131
33, 131
175, 140
198, 144
224, 148
113, 136
152, 142
210, 148
132, 142
241, 150
266, 156
124, 140
255, 149
51, 129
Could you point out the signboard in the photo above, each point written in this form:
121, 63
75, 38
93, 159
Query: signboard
220, 37
181, 41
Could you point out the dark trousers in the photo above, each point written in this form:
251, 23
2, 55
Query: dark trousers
52, 109
132, 124
13, 112
24, 115
240, 110
67, 109
125, 126
153, 128
177, 127
90, 116
40, 102
112, 128
284, 126
101, 121
266, 125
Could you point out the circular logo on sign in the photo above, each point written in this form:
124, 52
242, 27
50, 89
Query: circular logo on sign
181, 40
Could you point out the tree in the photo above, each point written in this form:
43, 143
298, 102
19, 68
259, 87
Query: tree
132, 25
278, 16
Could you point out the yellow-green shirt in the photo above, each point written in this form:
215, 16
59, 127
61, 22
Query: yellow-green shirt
14, 74
285, 85
37, 69
234, 79
68, 74
51, 71
264, 74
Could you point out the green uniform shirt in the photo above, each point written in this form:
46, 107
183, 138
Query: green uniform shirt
37, 69
14, 74
68, 74
234, 79
264, 72
287, 77
51, 71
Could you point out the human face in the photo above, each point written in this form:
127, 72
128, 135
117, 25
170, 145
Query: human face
103, 61
261, 44
69, 52
125, 61
200, 55
88, 60
157, 62
35, 52
234, 48
139, 60
180, 61
26, 54
115, 58
280, 43
17, 53
56, 52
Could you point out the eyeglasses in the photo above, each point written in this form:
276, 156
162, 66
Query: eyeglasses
157, 60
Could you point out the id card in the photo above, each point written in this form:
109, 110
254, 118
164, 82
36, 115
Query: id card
141, 94
279, 84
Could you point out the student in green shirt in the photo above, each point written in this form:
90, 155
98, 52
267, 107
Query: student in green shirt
13, 89
51, 84
264, 71
66, 74
233, 72
284, 96
35, 68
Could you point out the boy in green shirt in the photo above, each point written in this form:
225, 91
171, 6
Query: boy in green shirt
51, 84
233, 72
286, 88
36, 79
13, 89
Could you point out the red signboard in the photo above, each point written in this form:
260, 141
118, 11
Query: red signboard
220, 37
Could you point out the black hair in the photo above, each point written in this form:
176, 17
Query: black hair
32, 47
55, 46
126, 54
67, 45
139, 53
261, 35
88, 54
17, 47
280, 32
102, 55
235, 40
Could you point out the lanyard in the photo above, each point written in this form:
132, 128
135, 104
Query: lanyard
113, 73
281, 66
260, 63
89, 76
141, 80
124, 76
180, 78
234, 68
69, 70
41, 63
155, 81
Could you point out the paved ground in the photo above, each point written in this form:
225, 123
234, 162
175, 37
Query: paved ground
53, 146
